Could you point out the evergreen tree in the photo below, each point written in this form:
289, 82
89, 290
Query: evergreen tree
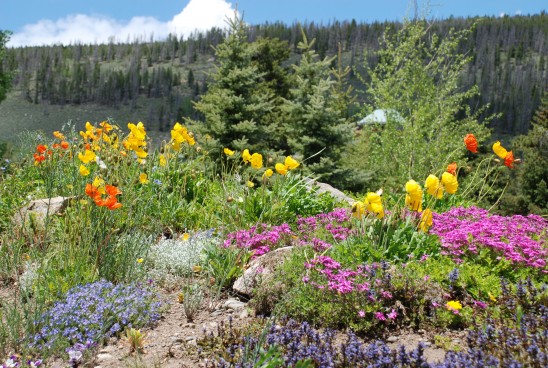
237, 105
316, 128
5, 75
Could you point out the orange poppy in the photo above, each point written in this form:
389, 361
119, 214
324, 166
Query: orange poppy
452, 168
509, 160
41, 148
38, 158
471, 143
64, 145
92, 191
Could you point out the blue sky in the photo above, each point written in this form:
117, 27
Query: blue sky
66, 21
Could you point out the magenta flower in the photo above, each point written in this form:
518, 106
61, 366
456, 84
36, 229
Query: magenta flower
361, 313
380, 316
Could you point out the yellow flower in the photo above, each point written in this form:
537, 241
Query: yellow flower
87, 157
373, 203
281, 168
228, 152
450, 183
492, 297
100, 185
143, 178
499, 150
138, 131
57, 134
413, 199
256, 160
290, 163
454, 305
246, 156
140, 260
358, 209
250, 184
268, 173
186, 236
196, 268
180, 134
84, 171
106, 126
163, 161
426, 220
433, 186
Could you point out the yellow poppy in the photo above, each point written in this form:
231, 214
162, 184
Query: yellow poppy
426, 220
256, 160
373, 203
453, 305
163, 161
358, 209
228, 152
250, 184
450, 183
281, 168
268, 173
84, 171
433, 186
291, 163
499, 150
87, 157
246, 156
413, 199
143, 178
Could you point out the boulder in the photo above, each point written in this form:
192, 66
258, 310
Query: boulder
259, 270
335, 193
34, 213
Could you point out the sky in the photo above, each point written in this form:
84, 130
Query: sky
45, 22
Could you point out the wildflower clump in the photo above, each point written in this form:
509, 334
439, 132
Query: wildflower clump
518, 239
93, 312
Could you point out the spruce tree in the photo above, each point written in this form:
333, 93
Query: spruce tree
236, 106
5, 75
316, 126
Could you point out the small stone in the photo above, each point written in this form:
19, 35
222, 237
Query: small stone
213, 324
392, 339
217, 312
189, 338
176, 339
230, 311
421, 332
427, 343
101, 357
244, 314
190, 325
456, 341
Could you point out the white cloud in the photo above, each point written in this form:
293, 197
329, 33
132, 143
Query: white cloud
198, 15
518, 12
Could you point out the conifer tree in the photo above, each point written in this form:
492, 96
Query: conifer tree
5, 75
235, 107
316, 126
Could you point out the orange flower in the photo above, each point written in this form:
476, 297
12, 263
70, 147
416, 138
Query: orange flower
64, 145
452, 168
41, 148
471, 143
38, 158
92, 191
509, 160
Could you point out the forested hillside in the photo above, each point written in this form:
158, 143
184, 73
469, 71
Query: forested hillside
160, 79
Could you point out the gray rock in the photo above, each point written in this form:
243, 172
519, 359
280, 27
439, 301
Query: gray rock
392, 339
260, 269
176, 339
101, 357
326, 188
35, 213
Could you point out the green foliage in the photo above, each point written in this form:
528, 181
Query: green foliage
316, 125
239, 107
5, 74
417, 77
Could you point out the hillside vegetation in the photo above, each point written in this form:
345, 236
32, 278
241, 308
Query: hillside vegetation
159, 80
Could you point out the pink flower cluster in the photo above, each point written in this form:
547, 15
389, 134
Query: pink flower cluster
260, 239
519, 239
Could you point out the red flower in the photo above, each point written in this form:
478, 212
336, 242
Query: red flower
64, 145
41, 148
38, 158
509, 160
471, 143
452, 168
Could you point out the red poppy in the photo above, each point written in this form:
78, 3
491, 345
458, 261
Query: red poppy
92, 191
509, 160
452, 168
38, 158
471, 143
41, 148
